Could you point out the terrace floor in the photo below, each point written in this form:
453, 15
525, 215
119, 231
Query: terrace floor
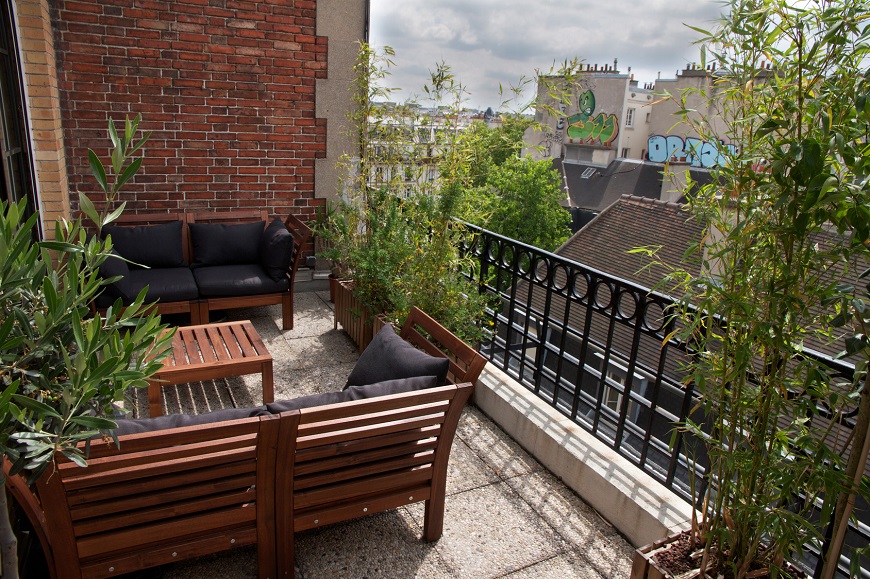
506, 515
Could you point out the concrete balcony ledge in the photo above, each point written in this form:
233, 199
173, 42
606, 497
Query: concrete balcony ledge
637, 505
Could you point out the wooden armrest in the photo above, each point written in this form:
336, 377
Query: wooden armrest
466, 363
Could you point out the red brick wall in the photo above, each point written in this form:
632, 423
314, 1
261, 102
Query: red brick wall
227, 87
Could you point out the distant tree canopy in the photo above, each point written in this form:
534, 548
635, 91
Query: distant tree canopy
523, 201
510, 195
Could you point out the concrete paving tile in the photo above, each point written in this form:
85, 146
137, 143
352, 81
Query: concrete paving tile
292, 383
609, 553
493, 446
572, 565
310, 318
490, 531
466, 471
382, 545
323, 350
494, 487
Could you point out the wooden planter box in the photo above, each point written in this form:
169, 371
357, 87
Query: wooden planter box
352, 315
642, 567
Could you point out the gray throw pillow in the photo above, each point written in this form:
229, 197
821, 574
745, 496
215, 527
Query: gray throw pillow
354, 393
389, 357
276, 250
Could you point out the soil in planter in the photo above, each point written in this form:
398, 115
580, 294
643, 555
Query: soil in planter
677, 560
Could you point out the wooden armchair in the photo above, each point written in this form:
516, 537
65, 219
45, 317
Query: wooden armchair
348, 460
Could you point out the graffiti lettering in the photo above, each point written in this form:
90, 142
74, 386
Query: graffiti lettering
546, 144
694, 151
587, 129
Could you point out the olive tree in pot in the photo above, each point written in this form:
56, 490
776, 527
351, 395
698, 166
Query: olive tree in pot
62, 369
786, 217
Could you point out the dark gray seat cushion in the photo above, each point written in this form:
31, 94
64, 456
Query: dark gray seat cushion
389, 357
236, 280
225, 243
149, 245
135, 425
172, 284
354, 393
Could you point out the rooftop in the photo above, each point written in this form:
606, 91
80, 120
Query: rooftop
506, 515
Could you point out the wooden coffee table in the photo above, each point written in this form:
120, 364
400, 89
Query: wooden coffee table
212, 351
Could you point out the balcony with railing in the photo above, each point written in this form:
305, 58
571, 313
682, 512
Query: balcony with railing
579, 362
599, 351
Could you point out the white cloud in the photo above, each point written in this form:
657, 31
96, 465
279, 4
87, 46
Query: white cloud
488, 42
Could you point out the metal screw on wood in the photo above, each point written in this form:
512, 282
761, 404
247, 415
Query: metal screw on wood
410, 498
232, 541
365, 509
175, 554
111, 569
316, 521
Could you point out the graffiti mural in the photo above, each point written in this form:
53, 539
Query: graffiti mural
590, 130
694, 151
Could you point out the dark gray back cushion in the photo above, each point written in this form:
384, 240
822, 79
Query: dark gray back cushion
354, 393
226, 243
149, 245
389, 357
136, 425
276, 250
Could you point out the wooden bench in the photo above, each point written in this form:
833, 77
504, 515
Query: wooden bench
165, 496
174, 494
199, 307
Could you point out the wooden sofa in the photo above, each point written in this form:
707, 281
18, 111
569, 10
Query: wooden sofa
195, 300
253, 477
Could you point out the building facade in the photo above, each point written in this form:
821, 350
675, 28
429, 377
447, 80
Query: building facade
245, 102
611, 116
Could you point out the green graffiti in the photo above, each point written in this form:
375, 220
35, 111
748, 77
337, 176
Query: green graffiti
582, 126
587, 105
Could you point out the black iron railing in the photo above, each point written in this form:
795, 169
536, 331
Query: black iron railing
598, 349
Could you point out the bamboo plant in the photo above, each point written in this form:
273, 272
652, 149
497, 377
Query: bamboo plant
786, 221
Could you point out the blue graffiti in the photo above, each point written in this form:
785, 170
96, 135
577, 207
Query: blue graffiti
694, 151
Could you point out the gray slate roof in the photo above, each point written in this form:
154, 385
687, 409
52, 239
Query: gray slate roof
606, 185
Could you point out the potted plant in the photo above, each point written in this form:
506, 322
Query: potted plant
63, 369
392, 235
785, 220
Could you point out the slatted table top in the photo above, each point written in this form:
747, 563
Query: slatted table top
209, 352
213, 346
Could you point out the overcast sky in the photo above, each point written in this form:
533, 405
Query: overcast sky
487, 42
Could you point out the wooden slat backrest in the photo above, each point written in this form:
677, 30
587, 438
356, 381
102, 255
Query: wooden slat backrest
362, 457
164, 496
466, 363
234, 216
